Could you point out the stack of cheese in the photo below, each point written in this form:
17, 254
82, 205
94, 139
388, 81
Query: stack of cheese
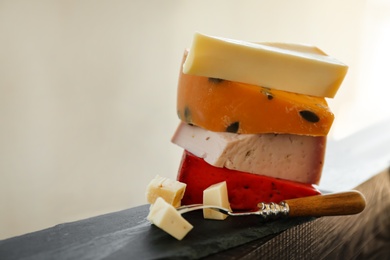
255, 116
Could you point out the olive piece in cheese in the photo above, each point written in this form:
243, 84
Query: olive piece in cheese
309, 116
233, 127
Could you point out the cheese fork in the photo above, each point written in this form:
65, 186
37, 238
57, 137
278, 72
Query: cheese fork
335, 204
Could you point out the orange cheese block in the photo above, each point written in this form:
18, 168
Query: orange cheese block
227, 106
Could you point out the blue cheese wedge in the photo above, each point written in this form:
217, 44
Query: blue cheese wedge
165, 216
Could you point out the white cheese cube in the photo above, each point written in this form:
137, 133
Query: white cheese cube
216, 195
166, 217
171, 191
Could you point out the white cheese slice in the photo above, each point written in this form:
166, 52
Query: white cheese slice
295, 47
216, 195
292, 157
171, 191
284, 68
166, 217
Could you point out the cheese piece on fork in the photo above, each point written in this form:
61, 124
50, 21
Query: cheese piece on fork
216, 195
165, 216
264, 65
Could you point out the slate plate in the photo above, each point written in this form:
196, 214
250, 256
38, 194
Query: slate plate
207, 237
128, 235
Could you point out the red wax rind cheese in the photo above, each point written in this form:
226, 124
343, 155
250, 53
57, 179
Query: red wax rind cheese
245, 190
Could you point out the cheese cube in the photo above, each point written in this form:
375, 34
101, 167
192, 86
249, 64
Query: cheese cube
166, 217
216, 195
171, 191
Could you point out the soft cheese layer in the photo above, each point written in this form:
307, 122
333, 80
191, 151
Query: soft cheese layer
264, 65
227, 106
245, 190
292, 157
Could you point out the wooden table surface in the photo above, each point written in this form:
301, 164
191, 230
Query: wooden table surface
362, 236
359, 162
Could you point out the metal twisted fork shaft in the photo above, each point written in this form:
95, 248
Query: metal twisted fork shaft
266, 210
342, 203
273, 210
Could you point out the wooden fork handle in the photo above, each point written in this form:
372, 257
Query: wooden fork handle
342, 203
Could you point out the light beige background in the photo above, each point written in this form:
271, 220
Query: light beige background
88, 91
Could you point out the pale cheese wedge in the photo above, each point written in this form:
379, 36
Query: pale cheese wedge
165, 216
216, 195
277, 67
298, 158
